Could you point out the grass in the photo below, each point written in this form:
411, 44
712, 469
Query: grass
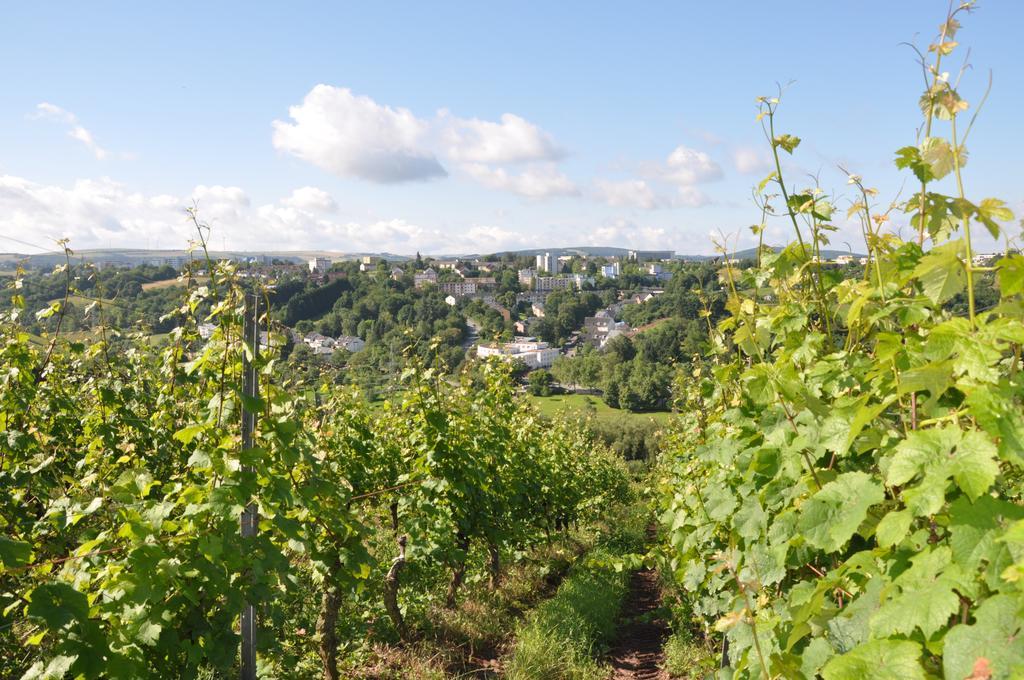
560, 639
564, 636
168, 283
584, 403
687, 658
466, 641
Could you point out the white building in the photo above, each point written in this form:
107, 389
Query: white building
611, 271
549, 283
580, 280
546, 263
526, 276
458, 288
350, 343
319, 265
532, 352
321, 344
844, 259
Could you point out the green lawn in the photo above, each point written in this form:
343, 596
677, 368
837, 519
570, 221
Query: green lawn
584, 403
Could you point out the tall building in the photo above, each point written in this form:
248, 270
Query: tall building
319, 265
546, 263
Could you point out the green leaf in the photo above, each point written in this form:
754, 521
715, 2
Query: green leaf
58, 604
973, 465
941, 272
910, 157
995, 642
186, 434
975, 526
831, 516
934, 377
937, 154
148, 633
750, 520
47, 312
1011, 274
936, 455
926, 599
787, 142
920, 449
893, 528
991, 211
877, 660
56, 669
14, 553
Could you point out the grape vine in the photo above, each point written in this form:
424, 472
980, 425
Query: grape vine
123, 477
843, 499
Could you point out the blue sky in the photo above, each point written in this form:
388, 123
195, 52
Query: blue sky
465, 127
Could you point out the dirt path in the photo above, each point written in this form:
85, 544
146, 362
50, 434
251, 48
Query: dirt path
637, 652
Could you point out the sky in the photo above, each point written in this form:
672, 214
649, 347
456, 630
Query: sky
457, 127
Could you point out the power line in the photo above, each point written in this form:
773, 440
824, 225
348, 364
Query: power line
47, 251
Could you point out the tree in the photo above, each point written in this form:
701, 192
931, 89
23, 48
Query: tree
540, 383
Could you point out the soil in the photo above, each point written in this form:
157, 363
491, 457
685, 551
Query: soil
637, 652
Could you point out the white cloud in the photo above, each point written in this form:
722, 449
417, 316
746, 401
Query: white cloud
687, 166
311, 198
541, 181
75, 129
513, 140
749, 160
634, 193
354, 136
627, 234
104, 213
692, 197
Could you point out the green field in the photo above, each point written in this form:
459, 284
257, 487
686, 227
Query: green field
168, 283
584, 403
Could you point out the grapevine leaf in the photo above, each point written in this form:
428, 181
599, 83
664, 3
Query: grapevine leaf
186, 434
937, 154
920, 449
941, 272
787, 142
910, 157
991, 211
973, 465
937, 455
996, 637
893, 528
750, 520
974, 527
926, 599
1011, 274
831, 516
56, 669
148, 633
14, 553
877, 660
818, 651
58, 604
